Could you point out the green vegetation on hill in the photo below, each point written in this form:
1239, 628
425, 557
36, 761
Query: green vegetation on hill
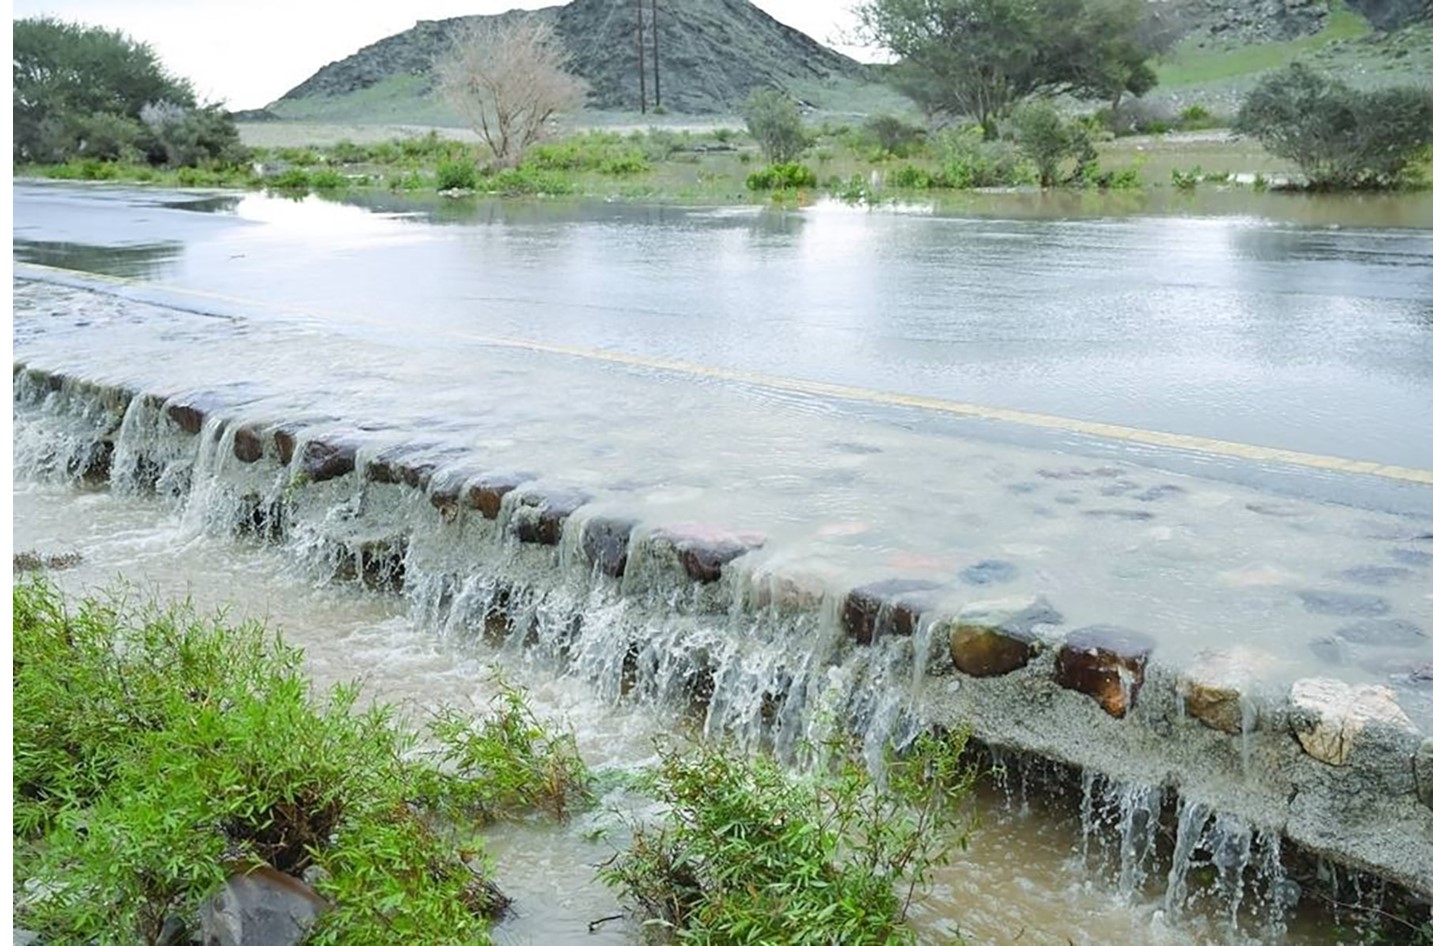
1191, 65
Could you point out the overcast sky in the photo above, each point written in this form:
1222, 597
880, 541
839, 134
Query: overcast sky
249, 54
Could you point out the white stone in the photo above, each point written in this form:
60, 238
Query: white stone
1336, 713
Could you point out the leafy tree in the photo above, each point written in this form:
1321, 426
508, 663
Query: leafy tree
980, 57
773, 120
508, 79
66, 74
1340, 137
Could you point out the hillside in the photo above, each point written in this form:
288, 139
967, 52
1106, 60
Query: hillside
711, 54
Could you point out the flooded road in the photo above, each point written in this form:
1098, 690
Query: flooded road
1308, 338
546, 340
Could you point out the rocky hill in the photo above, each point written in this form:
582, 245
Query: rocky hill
711, 53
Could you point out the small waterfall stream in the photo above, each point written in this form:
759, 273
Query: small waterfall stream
746, 657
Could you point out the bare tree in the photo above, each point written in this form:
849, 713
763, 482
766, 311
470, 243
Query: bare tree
508, 79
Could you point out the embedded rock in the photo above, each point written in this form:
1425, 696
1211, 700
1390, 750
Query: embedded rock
285, 441
982, 651
1105, 663
989, 572
886, 607
246, 444
1216, 689
1383, 632
323, 460
704, 550
92, 465
485, 493
260, 907
188, 417
605, 544
1329, 716
379, 564
539, 516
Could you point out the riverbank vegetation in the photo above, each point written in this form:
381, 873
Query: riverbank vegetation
158, 752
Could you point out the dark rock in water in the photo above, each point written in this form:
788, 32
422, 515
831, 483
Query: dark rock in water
704, 550
1343, 603
260, 518
1080, 473
605, 544
1068, 499
485, 493
1119, 488
379, 564
1105, 663
1157, 493
416, 474
989, 572
173, 932
1393, 632
1376, 575
445, 492
1278, 510
539, 516
1328, 650
893, 606
1022, 489
323, 460
92, 466
260, 907
285, 441
246, 444
1126, 515
1411, 557
983, 651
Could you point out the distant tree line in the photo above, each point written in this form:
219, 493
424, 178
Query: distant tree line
93, 93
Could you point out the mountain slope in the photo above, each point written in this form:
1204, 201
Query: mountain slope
711, 53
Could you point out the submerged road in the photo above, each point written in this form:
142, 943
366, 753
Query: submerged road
1257, 341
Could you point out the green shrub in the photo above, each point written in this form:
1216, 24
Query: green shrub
1196, 117
457, 174
909, 177
328, 179
966, 160
348, 152
1048, 139
604, 152
748, 852
292, 179
1186, 180
892, 136
154, 747
774, 122
528, 182
1341, 138
778, 176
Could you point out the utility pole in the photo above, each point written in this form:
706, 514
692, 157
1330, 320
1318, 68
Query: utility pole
642, 70
657, 82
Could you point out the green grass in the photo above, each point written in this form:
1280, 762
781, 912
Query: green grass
1188, 67
401, 99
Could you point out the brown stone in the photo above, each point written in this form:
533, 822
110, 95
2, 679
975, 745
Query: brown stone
285, 442
414, 473
379, 564
246, 444
1214, 687
703, 550
323, 460
188, 417
893, 606
1105, 663
605, 544
987, 651
485, 493
93, 465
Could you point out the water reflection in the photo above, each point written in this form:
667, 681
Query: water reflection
146, 260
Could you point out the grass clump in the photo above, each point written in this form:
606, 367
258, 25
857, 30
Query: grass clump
781, 176
457, 174
157, 751
748, 852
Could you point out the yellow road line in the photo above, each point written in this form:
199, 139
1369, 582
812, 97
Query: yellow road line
1154, 438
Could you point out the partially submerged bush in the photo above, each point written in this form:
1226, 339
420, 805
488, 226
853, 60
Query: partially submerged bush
748, 852
1049, 139
1342, 138
966, 160
458, 174
155, 750
780, 176
605, 152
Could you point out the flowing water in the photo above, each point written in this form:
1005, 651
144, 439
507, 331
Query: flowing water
532, 339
